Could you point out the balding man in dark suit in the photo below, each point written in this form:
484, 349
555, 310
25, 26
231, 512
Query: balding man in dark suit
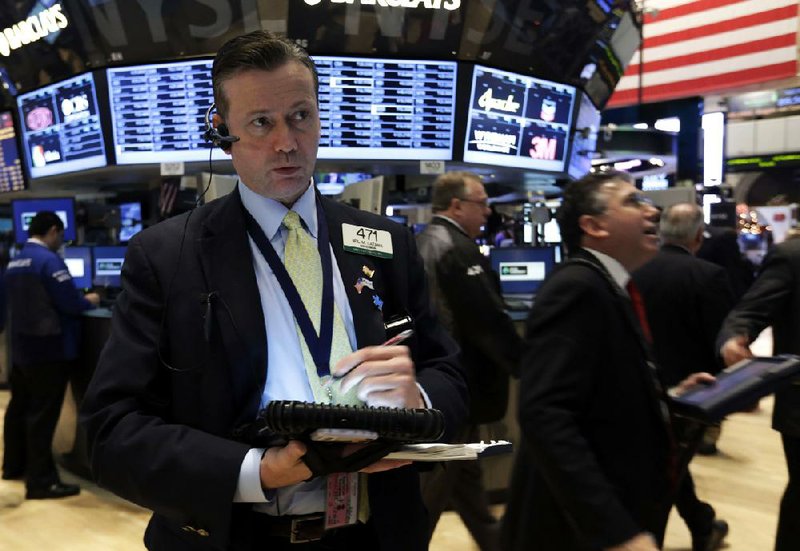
686, 299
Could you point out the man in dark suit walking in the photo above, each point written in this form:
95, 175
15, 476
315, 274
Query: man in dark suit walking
221, 313
596, 466
774, 299
467, 297
686, 299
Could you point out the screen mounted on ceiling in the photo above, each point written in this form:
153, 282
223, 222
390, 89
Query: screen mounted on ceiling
158, 112
584, 140
61, 130
517, 121
386, 108
11, 178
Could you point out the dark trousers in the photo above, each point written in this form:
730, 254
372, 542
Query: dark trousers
37, 392
788, 536
697, 514
459, 483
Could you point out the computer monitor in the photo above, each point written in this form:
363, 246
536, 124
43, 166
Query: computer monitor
108, 266
518, 121
130, 216
61, 127
522, 269
79, 264
399, 218
25, 209
11, 176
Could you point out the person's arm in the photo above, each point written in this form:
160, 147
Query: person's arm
61, 289
479, 315
757, 308
562, 364
136, 448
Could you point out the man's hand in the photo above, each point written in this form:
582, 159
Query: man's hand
735, 349
640, 542
692, 380
384, 376
284, 466
94, 298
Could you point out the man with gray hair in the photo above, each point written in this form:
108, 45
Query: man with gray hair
466, 294
686, 300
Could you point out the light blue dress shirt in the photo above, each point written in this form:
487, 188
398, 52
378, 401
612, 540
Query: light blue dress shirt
286, 373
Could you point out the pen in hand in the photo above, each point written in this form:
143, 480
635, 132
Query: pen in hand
397, 339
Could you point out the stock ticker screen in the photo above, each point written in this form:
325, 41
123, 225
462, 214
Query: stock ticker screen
386, 108
518, 121
11, 178
61, 130
158, 112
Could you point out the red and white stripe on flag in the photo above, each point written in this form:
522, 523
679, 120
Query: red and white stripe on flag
696, 47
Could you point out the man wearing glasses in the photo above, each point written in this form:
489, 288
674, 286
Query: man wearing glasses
596, 468
467, 297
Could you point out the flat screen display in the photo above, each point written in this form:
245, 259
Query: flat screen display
11, 178
61, 130
522, 269
386, 108
79, 264
518, 121
158, 112
130, 216
108, 266
584, 139
25, 209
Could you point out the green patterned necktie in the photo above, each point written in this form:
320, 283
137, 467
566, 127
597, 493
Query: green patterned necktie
304, 266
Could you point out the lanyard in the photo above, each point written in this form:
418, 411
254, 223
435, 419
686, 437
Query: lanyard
318, 346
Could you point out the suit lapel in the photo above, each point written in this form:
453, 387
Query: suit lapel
367, 317
227, 264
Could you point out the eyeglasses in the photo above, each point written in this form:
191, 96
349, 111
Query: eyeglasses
638, 200
483, 202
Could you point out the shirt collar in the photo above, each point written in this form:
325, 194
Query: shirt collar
618, 273
448, 219
38, 242
269, 213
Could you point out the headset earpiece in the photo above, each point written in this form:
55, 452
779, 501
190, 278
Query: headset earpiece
219, 136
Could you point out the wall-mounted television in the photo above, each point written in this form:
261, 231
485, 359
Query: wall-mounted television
25, 209
522, 269
11, 177
518, 121
158, 112
386, 108
130, 218
61, 129
108, 266
79, 264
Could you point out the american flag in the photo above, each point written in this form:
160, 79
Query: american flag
695, 47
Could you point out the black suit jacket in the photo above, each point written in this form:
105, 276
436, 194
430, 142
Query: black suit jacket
592, 470
686, 299
466, 293
160, 424
774, 299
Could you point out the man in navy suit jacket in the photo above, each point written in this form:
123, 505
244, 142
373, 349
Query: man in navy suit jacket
203, 336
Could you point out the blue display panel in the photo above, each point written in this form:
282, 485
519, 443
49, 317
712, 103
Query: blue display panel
61, 130
130, 216
158, 112
584, 141
79, 264
386, 108
522, 269
518, 121
25, 209
108, 266
11, 178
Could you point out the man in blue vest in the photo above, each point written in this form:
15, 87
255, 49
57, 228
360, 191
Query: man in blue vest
45, 306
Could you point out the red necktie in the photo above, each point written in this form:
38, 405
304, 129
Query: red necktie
638, 307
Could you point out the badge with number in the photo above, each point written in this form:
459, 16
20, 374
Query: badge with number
364, 240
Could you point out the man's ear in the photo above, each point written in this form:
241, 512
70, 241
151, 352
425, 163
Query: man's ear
592, 226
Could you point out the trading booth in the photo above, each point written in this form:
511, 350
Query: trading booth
105, 95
